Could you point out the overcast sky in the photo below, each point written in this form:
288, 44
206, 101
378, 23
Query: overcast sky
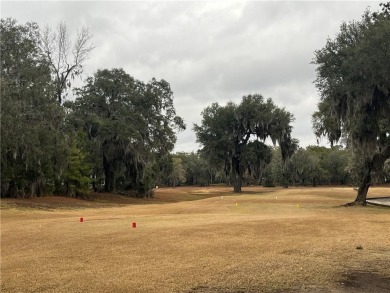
208, 51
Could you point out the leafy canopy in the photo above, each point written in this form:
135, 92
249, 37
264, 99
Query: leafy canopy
232, 133
353, 79
130, 122
31, 122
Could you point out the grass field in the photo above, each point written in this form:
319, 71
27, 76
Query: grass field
197, 240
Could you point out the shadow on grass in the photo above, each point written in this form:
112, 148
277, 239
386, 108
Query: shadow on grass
104, 200
351, 282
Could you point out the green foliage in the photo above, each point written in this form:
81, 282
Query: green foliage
165, 166
273, 171
178, 174
311, 166
352, 77
353, 72
32, 144
172, 170
129, 123
113, 134
227, 132
199, 170
255, 157
78, 170
279, 172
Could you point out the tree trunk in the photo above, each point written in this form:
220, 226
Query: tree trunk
236, 175
237, 185
109, 176
363, 188
285, 176
67, 190
94, 188
12, 189
33, 186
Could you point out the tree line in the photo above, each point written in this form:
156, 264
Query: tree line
310, 166
117, 134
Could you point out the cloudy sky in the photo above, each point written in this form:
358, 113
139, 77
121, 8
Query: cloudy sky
208, 51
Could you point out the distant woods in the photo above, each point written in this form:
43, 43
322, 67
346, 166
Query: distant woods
310, 166
117, 134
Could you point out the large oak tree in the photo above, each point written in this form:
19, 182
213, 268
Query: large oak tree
129, 125
233, 133
353, 79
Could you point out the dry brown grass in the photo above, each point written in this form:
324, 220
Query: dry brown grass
193, 240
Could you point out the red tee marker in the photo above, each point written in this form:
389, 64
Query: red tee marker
134, 225
81, 219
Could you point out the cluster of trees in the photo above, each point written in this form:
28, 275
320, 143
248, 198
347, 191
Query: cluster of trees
118, 133
191, 169
353, 82
111, 136
311, 166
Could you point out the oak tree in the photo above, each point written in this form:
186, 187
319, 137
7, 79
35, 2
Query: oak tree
227, 132
130, 125
353, 71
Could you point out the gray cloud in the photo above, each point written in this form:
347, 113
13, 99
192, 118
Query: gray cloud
208, 51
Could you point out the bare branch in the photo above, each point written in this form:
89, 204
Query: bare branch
65, 59
82, 48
